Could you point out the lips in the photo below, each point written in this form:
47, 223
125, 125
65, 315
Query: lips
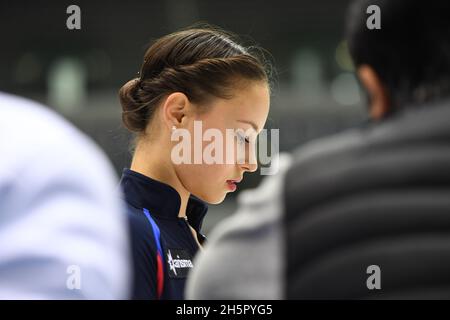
232, 184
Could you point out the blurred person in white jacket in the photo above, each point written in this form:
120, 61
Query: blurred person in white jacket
63, 233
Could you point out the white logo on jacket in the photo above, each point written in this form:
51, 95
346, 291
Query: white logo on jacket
178, 263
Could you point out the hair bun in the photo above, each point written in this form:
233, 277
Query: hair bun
133, 110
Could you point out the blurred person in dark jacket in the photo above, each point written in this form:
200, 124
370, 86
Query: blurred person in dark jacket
362, 214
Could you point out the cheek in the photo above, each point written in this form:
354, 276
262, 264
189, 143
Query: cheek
208, 182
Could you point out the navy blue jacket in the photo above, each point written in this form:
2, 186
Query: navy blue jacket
177, 243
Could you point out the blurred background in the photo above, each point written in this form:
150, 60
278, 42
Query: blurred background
79, 72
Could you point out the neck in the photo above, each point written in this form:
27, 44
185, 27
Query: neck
149, 161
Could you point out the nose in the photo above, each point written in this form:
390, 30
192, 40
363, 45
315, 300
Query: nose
249, 167
251, 163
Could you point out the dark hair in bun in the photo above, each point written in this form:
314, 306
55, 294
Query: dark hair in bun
199, 62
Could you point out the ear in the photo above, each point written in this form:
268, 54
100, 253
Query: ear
175, 109
379, 97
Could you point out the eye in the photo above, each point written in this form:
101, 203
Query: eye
243, 139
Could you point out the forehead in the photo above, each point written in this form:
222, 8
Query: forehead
249, 103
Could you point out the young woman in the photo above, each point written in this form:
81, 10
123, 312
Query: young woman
198, 76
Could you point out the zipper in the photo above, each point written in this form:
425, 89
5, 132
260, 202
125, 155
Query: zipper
188, 226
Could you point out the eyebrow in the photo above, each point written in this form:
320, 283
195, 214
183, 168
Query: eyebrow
255, 127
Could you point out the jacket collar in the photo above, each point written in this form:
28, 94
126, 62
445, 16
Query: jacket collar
159, 198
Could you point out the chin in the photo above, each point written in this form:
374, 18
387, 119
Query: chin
213, 199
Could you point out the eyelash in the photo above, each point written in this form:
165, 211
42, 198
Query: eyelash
246, 139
